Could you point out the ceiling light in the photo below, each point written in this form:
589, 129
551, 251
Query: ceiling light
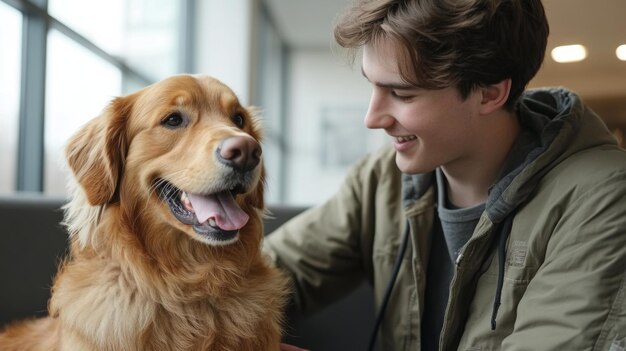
569, 53
621, 52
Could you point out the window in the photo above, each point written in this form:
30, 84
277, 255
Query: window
78, 85
10, 42
78, 55
270, 86
144, 33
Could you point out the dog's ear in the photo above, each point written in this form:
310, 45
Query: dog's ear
96, 153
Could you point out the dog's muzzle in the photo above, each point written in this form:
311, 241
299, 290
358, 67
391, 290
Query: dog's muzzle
216, 215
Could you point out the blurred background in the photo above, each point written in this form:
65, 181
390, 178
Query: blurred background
61, 61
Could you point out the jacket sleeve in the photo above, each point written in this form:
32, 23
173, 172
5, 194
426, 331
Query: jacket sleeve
321, 248
576, 300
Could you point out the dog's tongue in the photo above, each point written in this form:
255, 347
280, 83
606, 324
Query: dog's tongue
222, 207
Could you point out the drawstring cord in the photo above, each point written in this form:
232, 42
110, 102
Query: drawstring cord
502, 239
392, 281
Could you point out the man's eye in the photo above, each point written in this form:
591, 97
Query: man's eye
238, 120
401, 97
173, 120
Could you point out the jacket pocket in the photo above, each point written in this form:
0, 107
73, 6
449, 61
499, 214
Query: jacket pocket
477, 334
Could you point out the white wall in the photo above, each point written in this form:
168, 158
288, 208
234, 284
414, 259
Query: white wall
223, 43
322, 82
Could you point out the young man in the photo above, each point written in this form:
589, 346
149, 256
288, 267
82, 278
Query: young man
512, 203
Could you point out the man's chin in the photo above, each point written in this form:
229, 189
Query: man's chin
411, 166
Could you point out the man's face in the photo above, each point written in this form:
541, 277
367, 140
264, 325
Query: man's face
430, 128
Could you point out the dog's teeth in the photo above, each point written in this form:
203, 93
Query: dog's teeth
212, 222
184, 200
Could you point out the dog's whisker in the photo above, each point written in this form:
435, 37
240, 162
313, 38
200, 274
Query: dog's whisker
169, 190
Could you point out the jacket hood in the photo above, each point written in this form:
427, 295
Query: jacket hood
555, 124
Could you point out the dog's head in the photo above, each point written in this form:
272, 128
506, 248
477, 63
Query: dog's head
182, 152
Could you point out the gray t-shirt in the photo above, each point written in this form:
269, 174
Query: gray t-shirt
453, 229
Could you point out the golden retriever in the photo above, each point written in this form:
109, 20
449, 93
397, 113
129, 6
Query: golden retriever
165, 230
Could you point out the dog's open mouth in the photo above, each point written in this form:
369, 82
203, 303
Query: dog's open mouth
216, 216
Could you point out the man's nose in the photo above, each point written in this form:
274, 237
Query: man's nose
378, 115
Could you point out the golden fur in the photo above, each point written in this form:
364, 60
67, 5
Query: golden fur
137, 278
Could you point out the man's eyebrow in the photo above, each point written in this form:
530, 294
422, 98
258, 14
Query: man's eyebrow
397, 86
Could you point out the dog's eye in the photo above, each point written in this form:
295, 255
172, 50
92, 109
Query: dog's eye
238, 120
173, 120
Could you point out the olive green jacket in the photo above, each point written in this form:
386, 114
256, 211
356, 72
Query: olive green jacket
563, 259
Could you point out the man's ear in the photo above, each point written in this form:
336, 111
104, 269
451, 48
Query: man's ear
96, 153
494, 96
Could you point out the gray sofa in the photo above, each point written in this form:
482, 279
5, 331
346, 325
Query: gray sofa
32, 243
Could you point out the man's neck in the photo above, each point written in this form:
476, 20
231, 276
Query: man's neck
469, 178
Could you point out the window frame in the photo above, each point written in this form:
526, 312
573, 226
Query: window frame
37, 22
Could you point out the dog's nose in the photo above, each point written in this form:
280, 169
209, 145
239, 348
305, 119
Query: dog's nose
243, 153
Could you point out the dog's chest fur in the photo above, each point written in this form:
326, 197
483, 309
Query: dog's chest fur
111, 308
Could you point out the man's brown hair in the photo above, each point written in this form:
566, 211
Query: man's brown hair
460, 43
